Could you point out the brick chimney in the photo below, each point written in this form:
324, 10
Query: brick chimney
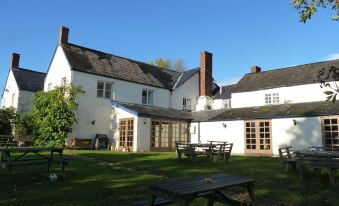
63, 35
205, 75
255, 69
15, 60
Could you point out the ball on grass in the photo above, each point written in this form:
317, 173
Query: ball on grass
53, 177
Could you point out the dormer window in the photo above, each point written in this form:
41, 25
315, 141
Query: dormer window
104, 89
147, 97
186, 103
272, 98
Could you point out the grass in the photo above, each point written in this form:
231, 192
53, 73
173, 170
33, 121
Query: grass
107, 178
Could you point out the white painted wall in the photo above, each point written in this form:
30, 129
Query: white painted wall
58, 69
25, 101
307, 132
12, 88
295, 94
190, 90
233, 133
143, 136
203, 103
220, 103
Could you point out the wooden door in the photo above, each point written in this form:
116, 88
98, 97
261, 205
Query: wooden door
126, 132
258, 137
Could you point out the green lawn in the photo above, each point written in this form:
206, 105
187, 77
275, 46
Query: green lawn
107, 178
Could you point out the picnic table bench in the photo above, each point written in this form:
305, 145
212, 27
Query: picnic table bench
6, 141
288, 158
320, 160
220, 151
211, 187
8, 160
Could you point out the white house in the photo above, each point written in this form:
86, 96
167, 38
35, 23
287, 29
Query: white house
139, 106
144, 108
20, 86
270, 109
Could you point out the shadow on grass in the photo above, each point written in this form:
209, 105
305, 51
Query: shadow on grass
94, 183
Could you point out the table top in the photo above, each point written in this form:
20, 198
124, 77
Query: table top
200, 184
32, 149
320, 154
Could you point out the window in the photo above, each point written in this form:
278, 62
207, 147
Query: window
275, 98
13, 99
330, 128
147, 97
165, 133
272, 98
104, 90
227, 104
63, 81
49, 87
186, 103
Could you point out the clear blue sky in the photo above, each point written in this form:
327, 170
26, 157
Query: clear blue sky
240, 34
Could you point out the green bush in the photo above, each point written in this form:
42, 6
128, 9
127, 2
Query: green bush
53, 115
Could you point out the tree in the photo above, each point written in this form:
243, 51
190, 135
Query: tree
177, 65
23, 122
7, 119
307, 8
53, 115
328, 78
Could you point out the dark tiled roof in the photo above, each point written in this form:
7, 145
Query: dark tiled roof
150, 111
29, 80
290, 76
186, 75
225, 92
100, 63
310, 109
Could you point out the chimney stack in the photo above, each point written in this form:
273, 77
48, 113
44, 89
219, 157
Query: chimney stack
205, 75
255, 69
15, 60
63, 35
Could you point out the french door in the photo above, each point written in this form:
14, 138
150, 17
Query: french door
165, 133
126, 132
330, 133
258, 137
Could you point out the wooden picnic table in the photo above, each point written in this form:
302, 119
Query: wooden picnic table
221, 151
184, 191
8, 160
320, 160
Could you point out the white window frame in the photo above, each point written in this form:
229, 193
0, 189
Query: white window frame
186, 103
272, 98
49, 86
106, 91
13, 99
227, 103
149, 98
63, 81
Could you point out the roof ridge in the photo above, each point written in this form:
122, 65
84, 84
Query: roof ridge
29, 70
293, 67
94, 50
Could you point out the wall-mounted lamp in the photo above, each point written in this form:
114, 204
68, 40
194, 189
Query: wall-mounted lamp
93, 122
294, 122
224, 124
145, 121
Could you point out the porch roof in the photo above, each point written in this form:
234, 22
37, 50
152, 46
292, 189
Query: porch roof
157, 112
311, 109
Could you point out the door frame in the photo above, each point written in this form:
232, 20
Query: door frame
257, 151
